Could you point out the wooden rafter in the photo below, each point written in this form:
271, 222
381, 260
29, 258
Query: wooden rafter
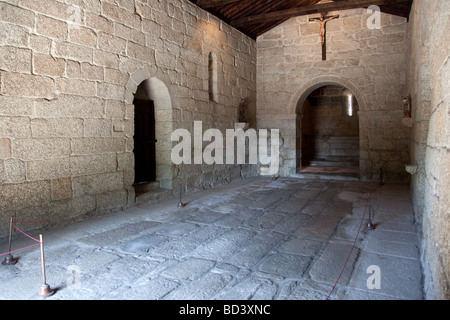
306, 10
206, 4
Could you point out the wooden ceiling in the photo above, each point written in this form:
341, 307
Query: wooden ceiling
254, 17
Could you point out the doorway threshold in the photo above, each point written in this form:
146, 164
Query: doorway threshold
151, 192
329, 173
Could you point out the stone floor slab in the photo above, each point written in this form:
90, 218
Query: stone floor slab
225, 245
285, 265
253, 239
305, 247
154, 289
330, 265
143, 244
256, 249
203, 289
393, 248
189, 270
396, 276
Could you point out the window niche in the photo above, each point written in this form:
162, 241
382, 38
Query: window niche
349, 104
213, 77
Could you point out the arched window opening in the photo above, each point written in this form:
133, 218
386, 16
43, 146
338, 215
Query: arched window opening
213, 76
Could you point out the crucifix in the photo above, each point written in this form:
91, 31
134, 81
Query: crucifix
323, 20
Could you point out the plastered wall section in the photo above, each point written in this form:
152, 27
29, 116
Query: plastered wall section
69, 71
368, 61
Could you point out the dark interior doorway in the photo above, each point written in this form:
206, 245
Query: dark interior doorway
144, 141
328, 139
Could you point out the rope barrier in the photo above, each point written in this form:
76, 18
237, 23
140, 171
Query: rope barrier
45, 290
181, 204
34, 245
202, 188
353, 247
9, 260
180, 186
67, 220
82, 218
25, 234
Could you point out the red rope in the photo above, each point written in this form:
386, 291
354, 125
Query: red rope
85, 218
4, 254
25, 233
203, 188
353, 247
36, 244
68, 220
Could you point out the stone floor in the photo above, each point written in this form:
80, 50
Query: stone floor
262, 239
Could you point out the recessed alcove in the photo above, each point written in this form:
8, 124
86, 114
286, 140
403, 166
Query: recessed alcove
328, 132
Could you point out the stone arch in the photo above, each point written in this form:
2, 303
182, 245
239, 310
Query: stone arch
307, 88
300, 96
156, 88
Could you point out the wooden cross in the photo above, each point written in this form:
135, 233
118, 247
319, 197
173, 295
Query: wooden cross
323, 20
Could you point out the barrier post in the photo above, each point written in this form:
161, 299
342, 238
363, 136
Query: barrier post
45, 290
370, 225
181, 204
9, 259
381, 183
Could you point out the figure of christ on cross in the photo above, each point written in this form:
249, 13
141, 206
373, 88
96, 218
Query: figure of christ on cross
323, 20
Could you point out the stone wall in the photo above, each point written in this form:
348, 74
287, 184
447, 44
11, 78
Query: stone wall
69, 71
368, 62
428, 84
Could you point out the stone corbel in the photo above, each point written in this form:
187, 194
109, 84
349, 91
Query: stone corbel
411, 169
407, 122
241, 126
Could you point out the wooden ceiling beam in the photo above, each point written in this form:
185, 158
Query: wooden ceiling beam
306, 10
206, 4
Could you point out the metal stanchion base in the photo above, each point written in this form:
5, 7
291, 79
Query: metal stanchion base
371, 226
45, 291
182, 205
9, 260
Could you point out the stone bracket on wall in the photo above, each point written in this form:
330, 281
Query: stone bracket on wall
411, 169
407, 122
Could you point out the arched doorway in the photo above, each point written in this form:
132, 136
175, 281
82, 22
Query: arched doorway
144, 137
153, 118
328, 132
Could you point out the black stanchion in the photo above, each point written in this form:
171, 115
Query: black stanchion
381, 177
181, 204
370, 225
9, 259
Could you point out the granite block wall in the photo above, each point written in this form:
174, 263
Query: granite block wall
69, 71
368, 61
428, 84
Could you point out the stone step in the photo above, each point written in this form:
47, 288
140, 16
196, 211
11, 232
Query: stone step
335, 162
151, 192
154, 196
344, 138
327, 176
146, 187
